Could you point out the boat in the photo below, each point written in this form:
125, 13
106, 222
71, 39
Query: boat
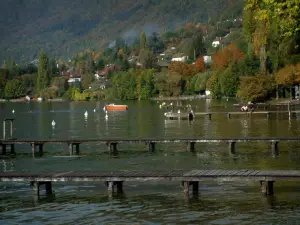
113, 107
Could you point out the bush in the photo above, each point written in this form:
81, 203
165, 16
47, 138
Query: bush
255, 88
14, 89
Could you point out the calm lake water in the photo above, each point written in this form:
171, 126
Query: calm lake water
148, 202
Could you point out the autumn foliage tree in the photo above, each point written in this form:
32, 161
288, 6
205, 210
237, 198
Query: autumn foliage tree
255, 87
226, 57
199, 65
182, 68
288, 76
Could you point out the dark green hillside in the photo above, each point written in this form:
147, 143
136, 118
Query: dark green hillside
62, 28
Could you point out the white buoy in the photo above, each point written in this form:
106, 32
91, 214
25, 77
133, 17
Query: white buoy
86, 114
94, 110
13, 111
53, 123
178, 111
104, 108
171, 103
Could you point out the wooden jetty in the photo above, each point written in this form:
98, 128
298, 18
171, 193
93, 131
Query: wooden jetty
186, 116
190, 178
74, 144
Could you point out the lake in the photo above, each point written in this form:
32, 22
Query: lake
148, 202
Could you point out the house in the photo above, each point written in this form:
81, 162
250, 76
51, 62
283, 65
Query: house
72, 75
215, 44
207, 59
179, 57
107, 69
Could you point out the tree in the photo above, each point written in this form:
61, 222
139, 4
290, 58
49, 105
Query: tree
181, 68
255, 88
288, 76
226, 57
143, 40
147, 59
87, 79
199, 64
43, 78
14, 88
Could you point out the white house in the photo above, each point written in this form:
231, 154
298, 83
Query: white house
74, 79
179, 58
215, 44
207, 59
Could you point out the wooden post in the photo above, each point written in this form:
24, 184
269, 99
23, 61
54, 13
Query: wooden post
3, 149
113, 148
151, 146
11, 128
40, 149
70, 148
209, 116
33, 149
4, 130
228, 115
36, 187
48, 187
110, 186
195, 185
12, 149
231, 147
275, 149
77, 148
186, 187
190, 146
267, 187
119, 186
268, 115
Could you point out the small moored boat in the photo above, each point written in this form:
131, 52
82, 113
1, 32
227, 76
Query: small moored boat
111, 107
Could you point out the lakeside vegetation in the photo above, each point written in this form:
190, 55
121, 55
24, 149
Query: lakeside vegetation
258, 58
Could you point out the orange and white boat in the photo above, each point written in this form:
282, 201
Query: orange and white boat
113, 107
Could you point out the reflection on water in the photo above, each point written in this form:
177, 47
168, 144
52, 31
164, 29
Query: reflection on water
148, 202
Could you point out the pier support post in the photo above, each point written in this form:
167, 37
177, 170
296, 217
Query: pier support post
77, 148
3, 149
41, 149
48, 187
231, 147
112, 147
36, 187
190, 146
275, 149
228, 115
71, 148
33, 147
151, 146
111, 186
12, 149
186, 187
209, 116
4, 130
195, 185
267, 187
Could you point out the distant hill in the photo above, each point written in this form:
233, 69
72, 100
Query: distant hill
63, 28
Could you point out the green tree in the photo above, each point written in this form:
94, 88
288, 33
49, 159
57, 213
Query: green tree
14, 88
87, 79
147, 59
43, 78
143, 40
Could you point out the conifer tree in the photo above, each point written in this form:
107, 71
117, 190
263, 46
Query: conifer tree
43, 78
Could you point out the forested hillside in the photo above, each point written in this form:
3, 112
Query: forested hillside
63, 28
